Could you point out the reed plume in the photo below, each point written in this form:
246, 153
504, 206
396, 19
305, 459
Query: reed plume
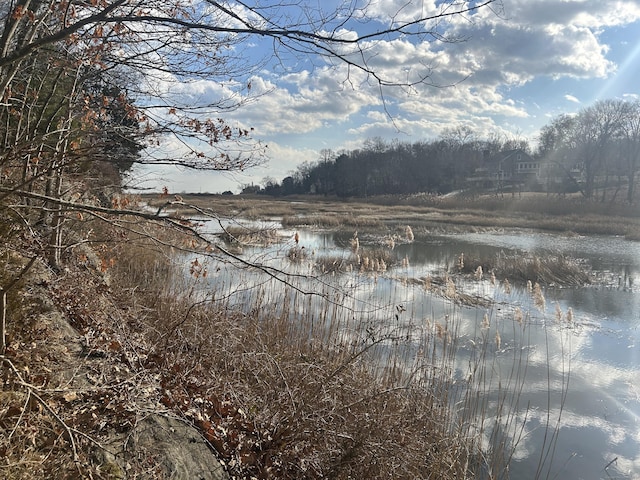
478, 273
408, 232
538, 297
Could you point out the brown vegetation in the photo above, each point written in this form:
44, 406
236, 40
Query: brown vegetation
436, 214
273, 395
277, 390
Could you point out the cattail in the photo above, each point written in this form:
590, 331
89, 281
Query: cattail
405, 262
507, 286
498, 340
529, 287
569, 315
493, 278
296, 238
478, 274
408, 233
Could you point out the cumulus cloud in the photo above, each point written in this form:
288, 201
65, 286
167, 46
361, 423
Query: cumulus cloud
481, 82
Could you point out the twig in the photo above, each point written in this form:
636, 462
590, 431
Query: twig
611, 462
46, 406
3, 302
24, 409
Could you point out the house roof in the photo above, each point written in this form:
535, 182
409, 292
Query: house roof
508, 155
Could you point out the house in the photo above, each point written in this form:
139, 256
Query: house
507, 169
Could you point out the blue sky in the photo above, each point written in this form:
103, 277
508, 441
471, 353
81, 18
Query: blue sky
522, 67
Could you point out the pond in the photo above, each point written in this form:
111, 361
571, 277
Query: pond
567, 361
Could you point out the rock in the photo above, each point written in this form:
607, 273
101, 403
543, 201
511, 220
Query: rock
170, 447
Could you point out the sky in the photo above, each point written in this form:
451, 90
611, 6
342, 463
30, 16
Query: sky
516, 67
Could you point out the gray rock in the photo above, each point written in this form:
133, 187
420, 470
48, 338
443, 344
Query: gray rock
167, 448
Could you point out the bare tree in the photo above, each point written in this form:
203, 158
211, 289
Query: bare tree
630, 139
584, 142
86, 84
80, 76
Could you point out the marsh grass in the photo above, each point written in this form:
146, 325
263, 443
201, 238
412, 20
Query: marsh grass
282, 391
521, 267
332, 221
364, 260
240, 235
290, 385
570, 214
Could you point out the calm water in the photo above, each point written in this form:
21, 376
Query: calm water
582, 376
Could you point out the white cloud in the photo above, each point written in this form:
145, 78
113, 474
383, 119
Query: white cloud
319, 105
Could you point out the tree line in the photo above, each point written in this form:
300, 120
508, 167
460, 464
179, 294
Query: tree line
389, 168
597, 148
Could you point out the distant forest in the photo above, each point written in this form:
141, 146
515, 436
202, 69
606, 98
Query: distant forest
599, 147
381, 168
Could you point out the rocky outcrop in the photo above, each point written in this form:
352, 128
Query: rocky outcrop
171, 447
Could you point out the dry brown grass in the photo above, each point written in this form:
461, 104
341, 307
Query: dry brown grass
336, 220
278, 389
278, 396
539, 211
241, 235
365, 260
521, 268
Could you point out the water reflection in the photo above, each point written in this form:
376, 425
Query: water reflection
580, 371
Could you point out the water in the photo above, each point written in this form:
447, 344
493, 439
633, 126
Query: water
582, 377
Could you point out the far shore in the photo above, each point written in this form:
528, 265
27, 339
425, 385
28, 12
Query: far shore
571, 215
